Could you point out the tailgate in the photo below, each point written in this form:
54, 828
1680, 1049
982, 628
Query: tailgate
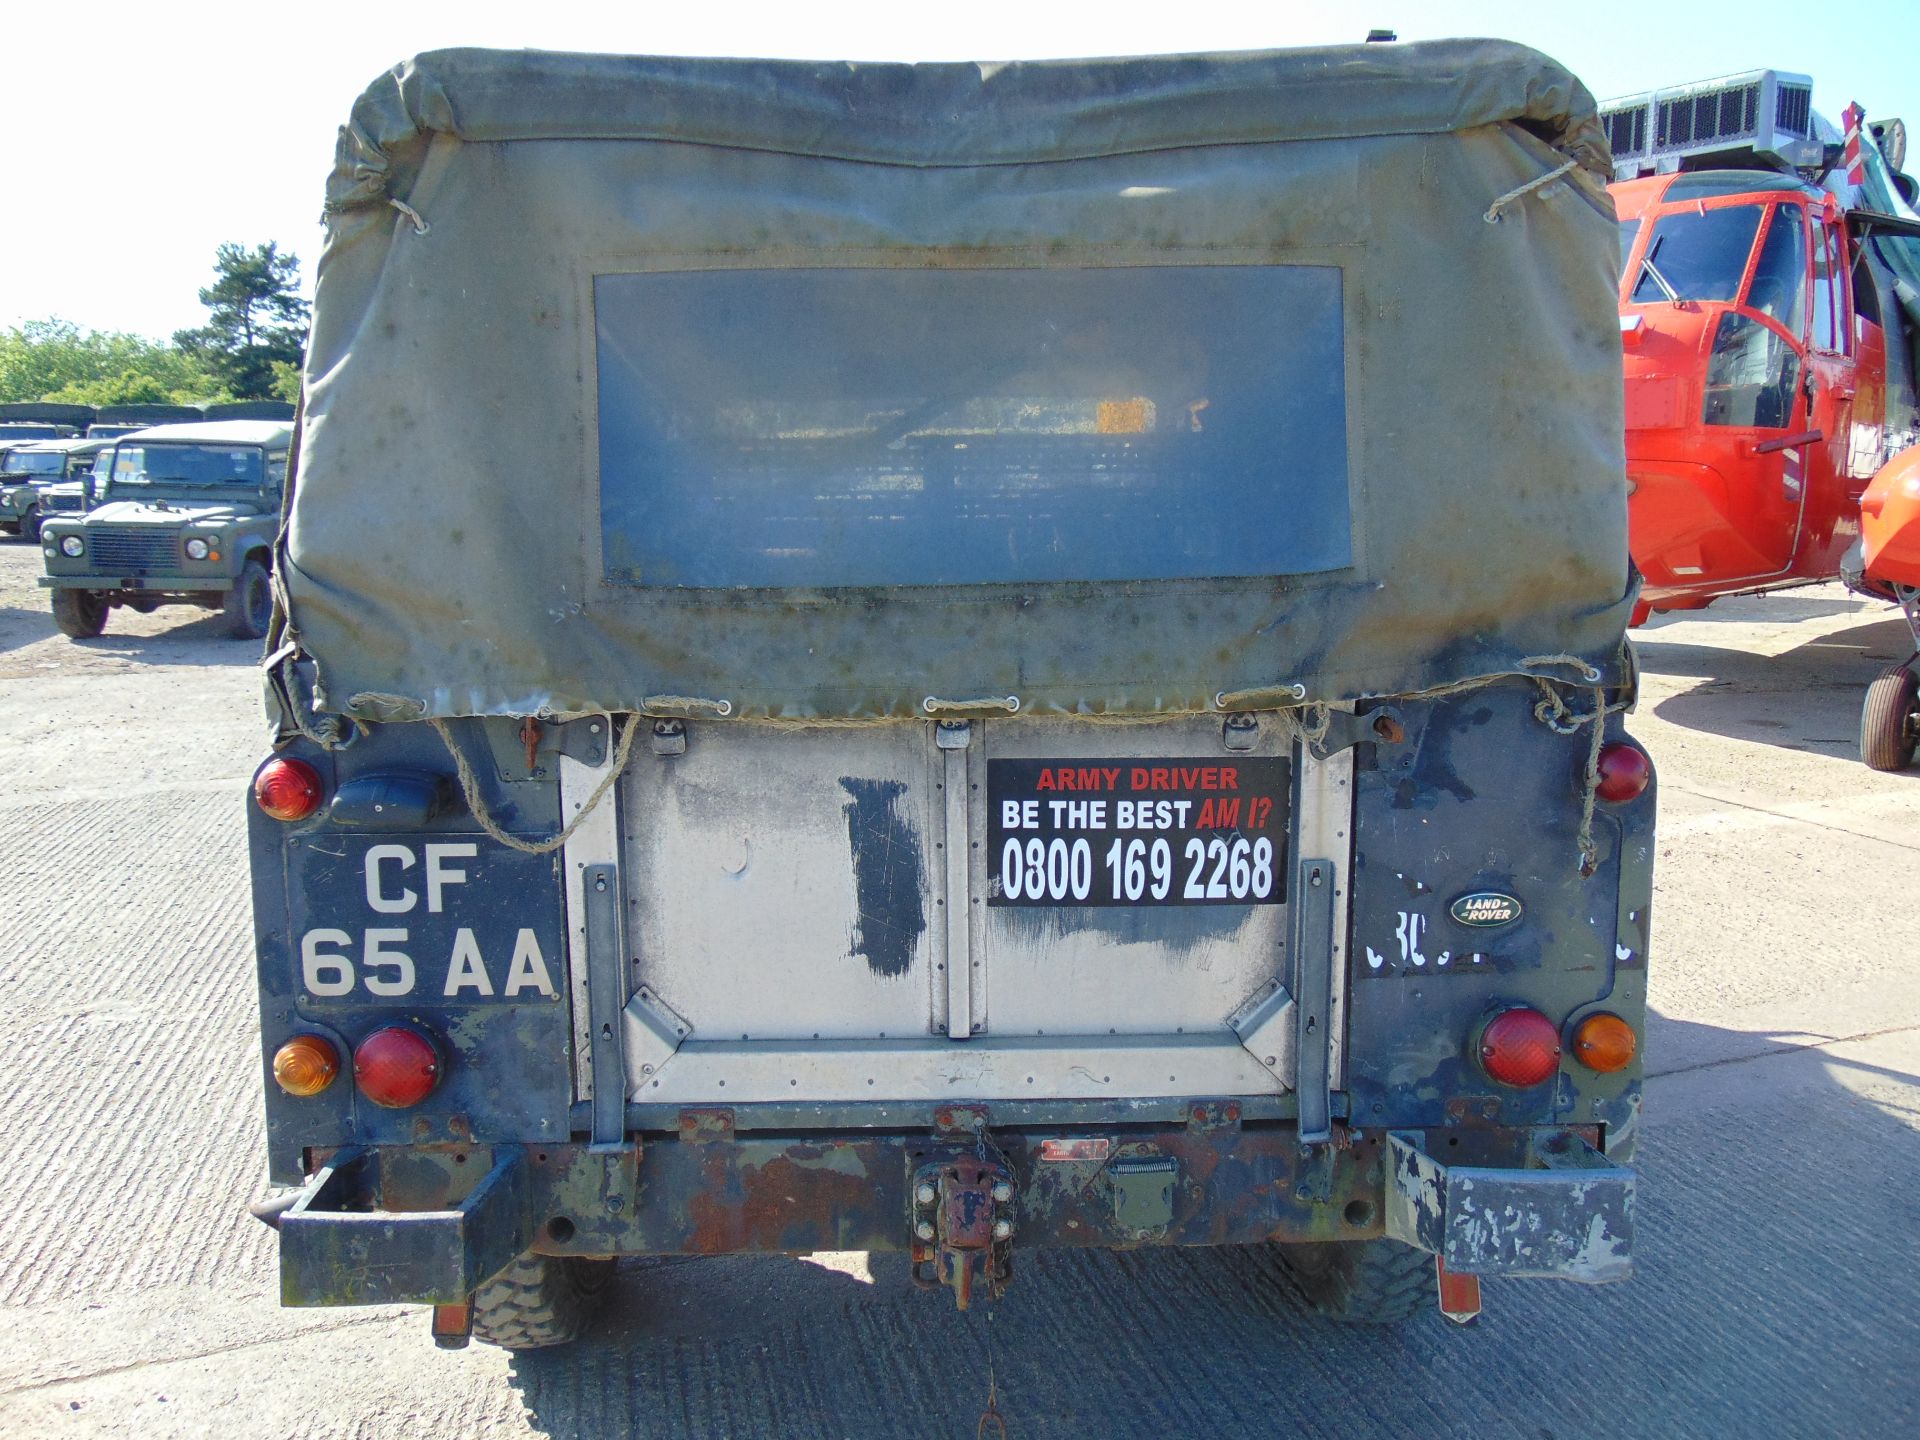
987, 909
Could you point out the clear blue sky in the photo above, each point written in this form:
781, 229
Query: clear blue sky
133, 146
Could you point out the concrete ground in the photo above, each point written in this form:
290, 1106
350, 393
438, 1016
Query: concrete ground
1779, 1232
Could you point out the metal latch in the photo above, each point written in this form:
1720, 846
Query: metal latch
1143, 1187
669, 737
962, 1218
1382, 725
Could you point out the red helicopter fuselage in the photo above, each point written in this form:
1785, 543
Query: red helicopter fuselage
1755, 383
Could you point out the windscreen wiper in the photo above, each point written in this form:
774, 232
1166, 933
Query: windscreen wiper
1653, 271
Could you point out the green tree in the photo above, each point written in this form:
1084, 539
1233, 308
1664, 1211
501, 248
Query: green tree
129, 387
286, 381
56, 360
256, 320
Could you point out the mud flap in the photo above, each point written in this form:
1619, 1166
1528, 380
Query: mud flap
1567, 1214
337, 1249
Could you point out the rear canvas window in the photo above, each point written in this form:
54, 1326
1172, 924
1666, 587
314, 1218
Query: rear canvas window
817, 428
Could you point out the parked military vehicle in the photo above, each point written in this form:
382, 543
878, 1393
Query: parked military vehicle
40, 477
42, 420
20, 467
986, 657
187, 516
114, 420
250, 410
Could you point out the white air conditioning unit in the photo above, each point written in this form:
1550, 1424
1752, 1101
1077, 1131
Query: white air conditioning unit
1766, 113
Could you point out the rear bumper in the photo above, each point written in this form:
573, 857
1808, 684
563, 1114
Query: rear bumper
337, 1248
429, 1224
1566, 1213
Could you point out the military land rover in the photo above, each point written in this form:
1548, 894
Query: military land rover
184, 514
112, 421
39, 478
954, 659
42, 420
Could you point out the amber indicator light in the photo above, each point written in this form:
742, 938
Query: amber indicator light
1604, 1042
305, 1065
1519, 1047
287, 789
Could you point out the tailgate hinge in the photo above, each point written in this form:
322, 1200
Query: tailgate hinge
953, 942
1310, 946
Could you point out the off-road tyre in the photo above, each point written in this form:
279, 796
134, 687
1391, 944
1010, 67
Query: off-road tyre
1362, 1282
539, 1300
248, 607
80, 614
30, 526
1887, 719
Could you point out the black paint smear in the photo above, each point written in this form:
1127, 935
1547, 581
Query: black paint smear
888, 887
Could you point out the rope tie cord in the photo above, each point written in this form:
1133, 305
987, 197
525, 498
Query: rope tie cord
329, 732
1589, 851
420, 226
1518, 192
470, 790
1553, 712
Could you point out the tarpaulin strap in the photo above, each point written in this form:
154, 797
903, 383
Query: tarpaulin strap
280, 623
1518, 192
685, 705
470, 789
420, 226
1539, 662
934, 705
1262, 697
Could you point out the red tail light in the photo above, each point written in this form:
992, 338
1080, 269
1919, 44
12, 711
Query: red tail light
1519, 1047
287, 789
1624, 773
396, 1067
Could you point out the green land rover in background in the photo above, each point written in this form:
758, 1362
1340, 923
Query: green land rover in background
187, 516
41, 477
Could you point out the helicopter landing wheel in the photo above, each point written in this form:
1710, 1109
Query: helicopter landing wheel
1890, 718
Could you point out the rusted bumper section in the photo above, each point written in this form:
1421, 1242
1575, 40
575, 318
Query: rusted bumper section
1567, 1213
427, 1224
338, 1247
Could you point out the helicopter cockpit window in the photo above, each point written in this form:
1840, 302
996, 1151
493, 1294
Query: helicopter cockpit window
1866, 293
1779, 287
1697, 255
1628, 229
1752, 376
1829, 297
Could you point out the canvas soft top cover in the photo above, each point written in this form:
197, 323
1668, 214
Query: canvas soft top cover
816, 390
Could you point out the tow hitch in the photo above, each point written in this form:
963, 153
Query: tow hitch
962, 1219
